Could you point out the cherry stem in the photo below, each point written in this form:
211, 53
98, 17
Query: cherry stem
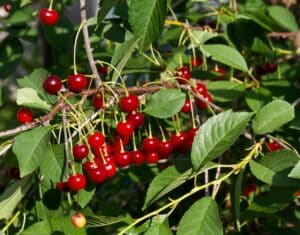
122, 147
150, 130
102, 123
162, 133
175, 124
75, 47
192, 110
123, 117
134, 141
51, 4
178, 123
102, 157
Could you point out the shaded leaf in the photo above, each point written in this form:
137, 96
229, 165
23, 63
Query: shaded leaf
28, 97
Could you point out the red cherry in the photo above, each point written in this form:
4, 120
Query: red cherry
150, 144
62, 187
76, 182
183, 73
77, 82
297, 194
196, 61
7, 7
49, 16
274, 146
200, 89
24, 115
202, 104
190, 138
137, 157
270, 67
125, 128
98, 101
52, 84
186, 108
96, 140
116, 144
88, 165
179, 141
109, 158
129, 103
250, 189
123, 159
136, 118
110, 167
80, 151
97, 175
102, 151
14, 173
78, 220
164, 149
152, 157
103, 70
219, 70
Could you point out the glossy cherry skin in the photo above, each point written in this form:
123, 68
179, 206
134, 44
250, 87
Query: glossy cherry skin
129, 103
80, 151
186, 108
78, 220
196, 61
98, 101
202, 104
190, 138
110, 168
14, 173
7, 7
102, 151
96, 140
116, 144
137, 157
219, 70
165, 148
24, 115
76, 182
274, 146
123, 159
77, 82
136, 118
250, 189
179, 141
88, 165
125, 128
52, 84
152, 157
49, 16
97, 175
62, 187
183, 73
200, 88
103, 70
150, 144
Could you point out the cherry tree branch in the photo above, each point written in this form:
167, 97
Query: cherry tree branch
87, 44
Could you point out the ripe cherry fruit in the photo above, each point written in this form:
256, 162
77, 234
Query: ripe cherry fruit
183, 73
179, 141
202, 104
62, 187
186, 108
125, 128
76, 182
103, 70
97, 175
52, 84
96, 140
24, 115
274, 146
165, 148
78, 220
200, 88
136, 118
110, 167
129, 103
196, 62
152, 157
80, 151
137, 157
250, 188
150, 144
123, 158
77, 82
7, 7
98, 101
49, 16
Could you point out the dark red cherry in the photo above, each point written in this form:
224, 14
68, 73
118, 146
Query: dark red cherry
179, 141
196, 61
52, 84
76, 182
150, 144
80, 151
103, 70
7, 7
165, 148
102, 151
24, 115
250, 188
219, 70
200, 88
125, 128
123, 159
91, 164
274, 146
137, 157
186, 108
98, 101
129, 103
202, 104
110, 168
152, 157
136, 118
183, 73
97, 175
77, 82
62, 187
49, 16
14, 173
96, 140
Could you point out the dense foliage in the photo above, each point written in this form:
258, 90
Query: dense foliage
153, 117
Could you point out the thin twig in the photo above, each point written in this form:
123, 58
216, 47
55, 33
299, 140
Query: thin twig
87, 43
5, 149
217, 186
66, 143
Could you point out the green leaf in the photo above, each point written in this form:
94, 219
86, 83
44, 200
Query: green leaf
85, 196
57, 225
105, 6
224, 91
159, 226
274, 168
202, 218
295, 172
29, 98
226, 55
11, 51
257, 98
147, 19
53, 163
30, 148
102, 221
200, 37
35, 81
165, 182
13, 195
283, 17
272, 116
216, 135
165, 103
